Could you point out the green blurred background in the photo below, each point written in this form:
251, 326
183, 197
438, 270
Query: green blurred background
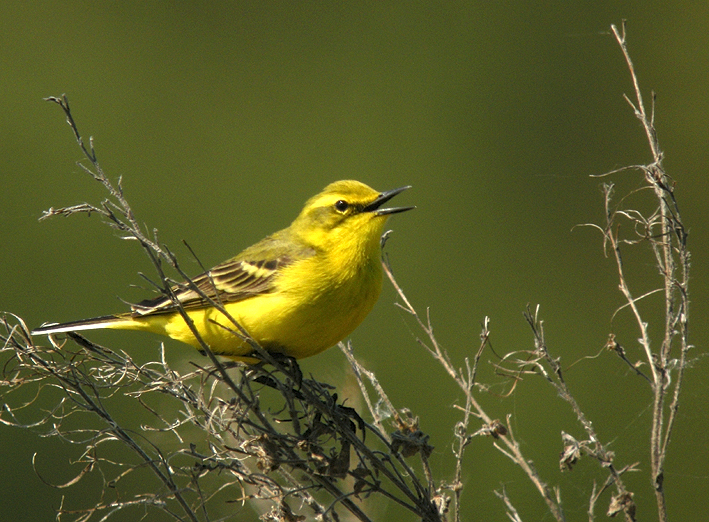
223, 119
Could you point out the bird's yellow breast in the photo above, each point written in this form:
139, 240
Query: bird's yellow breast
303, 316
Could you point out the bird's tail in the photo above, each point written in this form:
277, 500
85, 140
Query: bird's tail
118, 321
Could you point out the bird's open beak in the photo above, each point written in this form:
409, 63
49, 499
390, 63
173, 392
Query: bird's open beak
383, 198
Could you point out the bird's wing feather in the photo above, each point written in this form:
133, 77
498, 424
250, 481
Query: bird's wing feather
251, 273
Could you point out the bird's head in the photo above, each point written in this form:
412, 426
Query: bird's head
346, 215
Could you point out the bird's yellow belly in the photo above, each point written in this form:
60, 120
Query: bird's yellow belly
291, 323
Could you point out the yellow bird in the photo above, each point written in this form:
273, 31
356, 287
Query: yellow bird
296, 292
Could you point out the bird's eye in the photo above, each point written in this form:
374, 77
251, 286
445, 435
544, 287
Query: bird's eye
341, 205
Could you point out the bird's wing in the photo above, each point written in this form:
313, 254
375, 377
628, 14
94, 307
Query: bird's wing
251, 273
